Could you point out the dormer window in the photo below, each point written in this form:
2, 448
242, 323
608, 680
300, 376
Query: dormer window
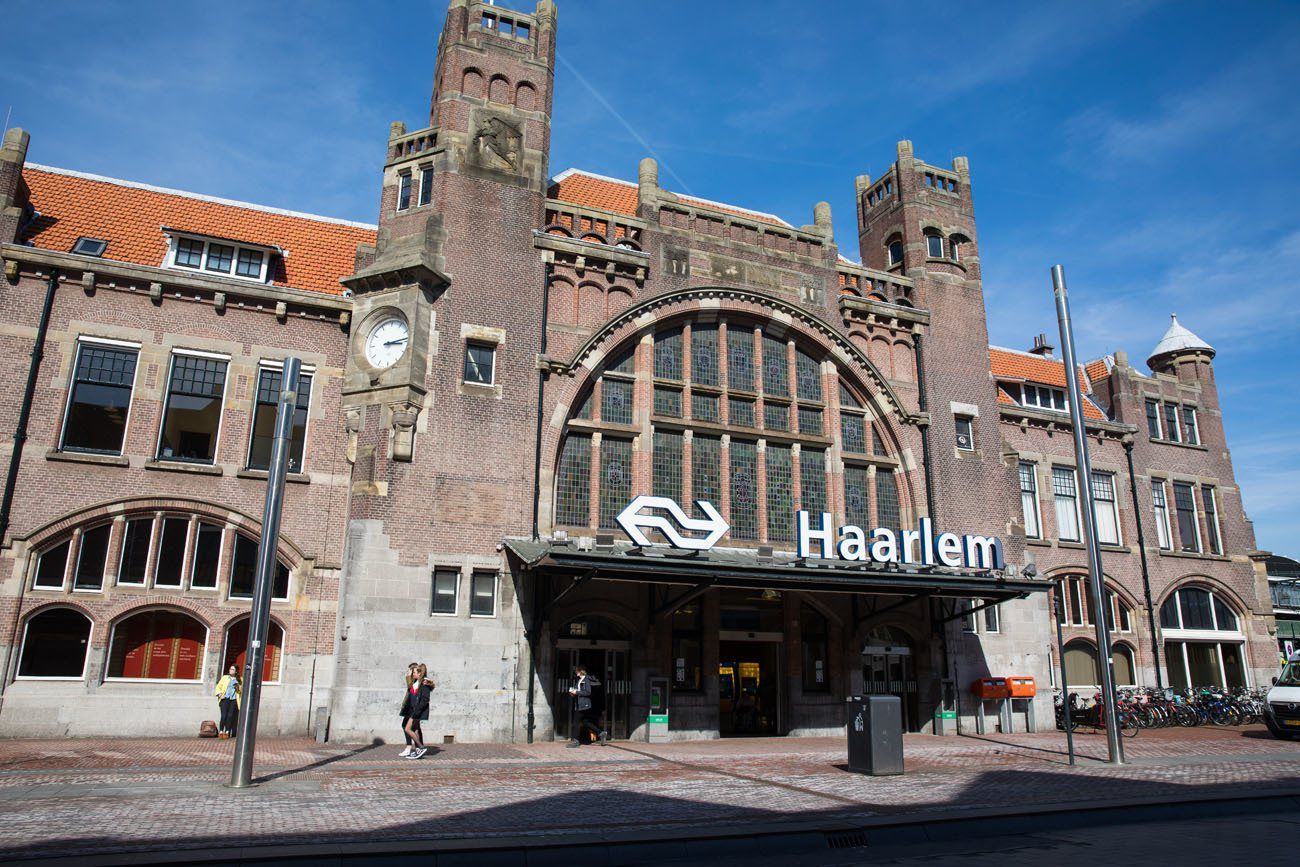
215, 256
1040, 396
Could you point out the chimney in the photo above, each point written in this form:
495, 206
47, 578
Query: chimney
1042, 347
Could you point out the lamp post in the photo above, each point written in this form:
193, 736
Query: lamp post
1096, 589
241, 773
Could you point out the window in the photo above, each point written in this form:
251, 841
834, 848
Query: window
157, 645
1042, 397
243, 571
1105, 509
135, 551
479, 363
1029, 500
1121, 656
992, 622
249, 263
1197, 608
744, 490
816, 657
1066, 494
668, 400
55, 643
1213, 539
483, 595
89, 246
1191, 433
1161, 507
220, 257
403, 191
615, 478
270, 380
704, 355
207, 554
934, 246
688, 648
51, 567
426, 185
1204, 645
192, 415
573, 482
895, 250
99, 399
965, 433
740, 411
955, 245
812, 481
169, 569
969, 621
1171, 423
1153, 419
780, 494
776, 367
1189, 534
668, 355
888, 511
93, 554
189, 253
446, 583
706, 469
237, 649
1081, 663
666, 465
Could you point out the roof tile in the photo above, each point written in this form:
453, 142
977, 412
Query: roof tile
610, 194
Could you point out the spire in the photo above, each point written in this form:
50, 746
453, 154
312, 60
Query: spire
1176, 340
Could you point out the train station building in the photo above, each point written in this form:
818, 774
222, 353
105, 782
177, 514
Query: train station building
498, 370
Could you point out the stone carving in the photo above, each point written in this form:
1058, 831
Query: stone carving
498, 144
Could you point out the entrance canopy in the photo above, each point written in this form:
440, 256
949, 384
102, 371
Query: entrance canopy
735, 567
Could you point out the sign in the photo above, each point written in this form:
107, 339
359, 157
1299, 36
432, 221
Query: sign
922, 547
632, 522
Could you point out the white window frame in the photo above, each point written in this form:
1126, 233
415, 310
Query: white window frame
1174, 430
496, 594
36, 568
970, 426
85, 661
1099, 504
455, 593
197, 527
278, 364
83, 340
1037, 404
1160, 508
173, 247
420, 198
1037, 515
1209, 495
1196, 520
207, 634
480, 344
1057, 500
186, 552
121, 553
1148, 402
404, 177
1191, 426
288, 584
166, 394
81, 544
929, 252
995, 612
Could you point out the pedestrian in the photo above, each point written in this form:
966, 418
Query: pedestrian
228, 692
410, 678
415, 709
588, 713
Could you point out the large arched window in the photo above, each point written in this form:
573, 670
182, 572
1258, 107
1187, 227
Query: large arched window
1204, 644
1077, 608
743, 416
1081, 663
1121, 656
55, 642
243, 571
237, 649
157, 644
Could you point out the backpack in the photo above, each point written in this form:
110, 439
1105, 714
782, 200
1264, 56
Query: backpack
207, 729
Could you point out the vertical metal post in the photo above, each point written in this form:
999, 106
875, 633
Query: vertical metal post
1065, 683
1096, 587
241, 774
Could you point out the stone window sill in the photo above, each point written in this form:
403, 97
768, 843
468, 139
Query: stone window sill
295, 478
1038, 543
87, 458
182, 467
1188, 555
1077, 546
1117, 549
1196, 447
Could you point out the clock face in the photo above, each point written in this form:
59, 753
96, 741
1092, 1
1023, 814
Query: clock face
387, 342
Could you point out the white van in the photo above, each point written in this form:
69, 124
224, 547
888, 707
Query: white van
1282, 707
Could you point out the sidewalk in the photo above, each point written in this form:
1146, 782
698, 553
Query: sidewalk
65, 798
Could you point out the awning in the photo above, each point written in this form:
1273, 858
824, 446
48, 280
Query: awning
742, 568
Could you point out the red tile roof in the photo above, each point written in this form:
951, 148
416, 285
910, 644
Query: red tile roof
1097, 370
611, 194
1015, 365
130, 216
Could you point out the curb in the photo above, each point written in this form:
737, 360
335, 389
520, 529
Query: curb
635, 847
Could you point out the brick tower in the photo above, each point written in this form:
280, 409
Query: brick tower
440, 386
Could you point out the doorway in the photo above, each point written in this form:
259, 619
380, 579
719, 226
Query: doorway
890, 669
602, 647
749, 688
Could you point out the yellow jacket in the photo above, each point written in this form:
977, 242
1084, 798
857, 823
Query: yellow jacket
224, 684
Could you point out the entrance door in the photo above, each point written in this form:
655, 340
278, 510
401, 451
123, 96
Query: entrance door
749, 688
890, 670
607, 661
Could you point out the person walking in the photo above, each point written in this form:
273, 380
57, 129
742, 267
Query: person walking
228, 692
410, 678
415, 710
588, 713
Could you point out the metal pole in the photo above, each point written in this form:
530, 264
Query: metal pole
1142, 553
1065, 684
241, 774
1096, 589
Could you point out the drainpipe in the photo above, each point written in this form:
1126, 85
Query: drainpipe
923, 405
20, 437
535, 614
1142, 554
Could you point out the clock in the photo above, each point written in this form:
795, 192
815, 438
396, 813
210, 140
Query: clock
387, 342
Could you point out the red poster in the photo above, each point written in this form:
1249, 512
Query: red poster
161, 651
188, 650
135, 642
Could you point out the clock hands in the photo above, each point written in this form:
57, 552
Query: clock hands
395, 342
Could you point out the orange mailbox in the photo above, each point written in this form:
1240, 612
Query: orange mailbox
991, 687
1021, 687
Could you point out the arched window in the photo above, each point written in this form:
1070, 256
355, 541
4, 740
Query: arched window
814, 638
55, 642
1204, 644
1077, 610
237, 649
895, 250
933, 244
1121, 657
243, 571
157, 645
957, 246
1081, 663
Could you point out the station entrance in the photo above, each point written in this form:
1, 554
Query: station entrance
588, 642
889, 668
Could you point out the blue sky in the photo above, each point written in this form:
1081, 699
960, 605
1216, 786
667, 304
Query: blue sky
1149, 146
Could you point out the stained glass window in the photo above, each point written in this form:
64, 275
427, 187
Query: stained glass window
616, 401
744, 490
780, 494
776, 416
741, 412
706, 469
810, 421
887, 509
812, 480
668, 401
740, 358
704, 354
704, 407
808, 375
776, 367
667, 465
615, 478
857, 497
668, 355
573, 482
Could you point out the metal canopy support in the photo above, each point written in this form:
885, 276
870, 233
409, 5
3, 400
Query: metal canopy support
975, 610
673, 604
876, 615
578, 581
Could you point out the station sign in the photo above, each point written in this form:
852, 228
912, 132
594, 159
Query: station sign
921, 547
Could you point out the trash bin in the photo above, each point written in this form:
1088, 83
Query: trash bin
875, 728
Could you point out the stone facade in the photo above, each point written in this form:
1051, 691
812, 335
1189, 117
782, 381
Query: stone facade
640, 342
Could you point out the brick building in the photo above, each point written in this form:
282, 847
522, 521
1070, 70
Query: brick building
497, 369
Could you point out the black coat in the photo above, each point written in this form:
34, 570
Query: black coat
416, 704
583, 695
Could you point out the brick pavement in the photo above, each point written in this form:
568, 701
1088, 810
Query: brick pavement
82, 797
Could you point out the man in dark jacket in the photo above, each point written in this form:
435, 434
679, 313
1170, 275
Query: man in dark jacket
588, 713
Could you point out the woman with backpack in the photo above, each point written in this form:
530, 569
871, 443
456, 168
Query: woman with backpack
415, 710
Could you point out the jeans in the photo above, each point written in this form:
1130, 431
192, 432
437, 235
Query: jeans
229, 715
